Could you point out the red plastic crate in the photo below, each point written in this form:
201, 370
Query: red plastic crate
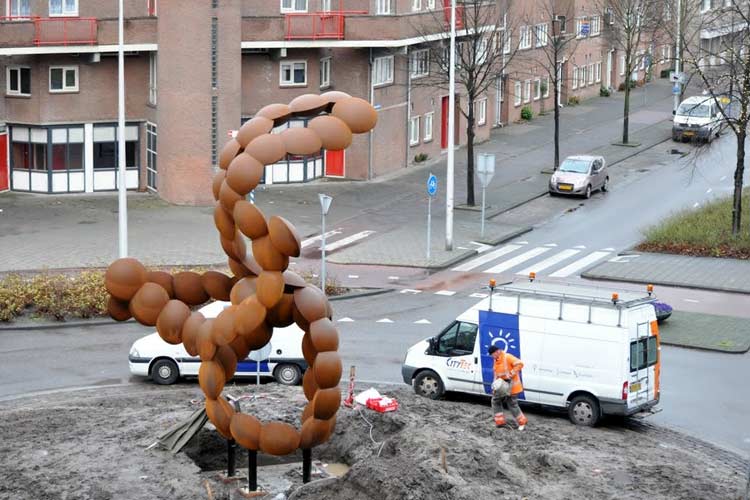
380, 405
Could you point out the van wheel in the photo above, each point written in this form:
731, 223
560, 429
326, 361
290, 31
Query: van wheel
429, 385
584, 410
165, 372
287, 374
588, 192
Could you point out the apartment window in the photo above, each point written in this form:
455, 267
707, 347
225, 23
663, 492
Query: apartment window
581, 27
325, 72
383, 7
151, 7
598, 72
416, 5
582, 77
537, 89
414, 131
151, 170
427, 136
524, 34
63, 79
19, 8
541, 35
18, 80
325, 5
575, 78
430, 4
105, 147
705, 5
545, 92
382, 70
214, 52
517, 93
293, 5
420, 63
527, 91
293, 73
481, 112
596, 25
482, 50
622, 65
503, 41
63, 7
152, 65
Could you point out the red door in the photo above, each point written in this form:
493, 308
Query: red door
335, 163
4, 162
444, 124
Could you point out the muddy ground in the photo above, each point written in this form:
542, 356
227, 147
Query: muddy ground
93, 445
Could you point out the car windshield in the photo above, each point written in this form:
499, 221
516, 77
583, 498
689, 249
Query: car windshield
696, 110
577, 166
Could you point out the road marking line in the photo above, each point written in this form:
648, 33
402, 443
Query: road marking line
423, 322
696, 204
410, 290
723, 178
518, 259
447, 293
346, 320
481, 246
522, 242
623, 258
312, 240
393, 277
553, 245
608, 249
478, 295
384, 320
487, 257
462, 248
708, 191
549, 262
579, 264
348, 240
354, 276
693, 301
581, 247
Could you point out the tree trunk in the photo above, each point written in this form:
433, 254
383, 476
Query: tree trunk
557, 124
626, 110
739, 172
470, 155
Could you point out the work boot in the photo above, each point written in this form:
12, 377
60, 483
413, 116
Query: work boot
522, 421
499, 419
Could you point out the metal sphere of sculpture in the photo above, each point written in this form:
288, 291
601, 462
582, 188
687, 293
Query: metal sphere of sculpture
263, 293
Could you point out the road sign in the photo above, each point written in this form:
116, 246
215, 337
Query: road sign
585, 28
485, 168
675, 77
676, 89
432, 185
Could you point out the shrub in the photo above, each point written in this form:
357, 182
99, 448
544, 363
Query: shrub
420, 157
603, 91
631, 83
574, 100
13, 296
526, 113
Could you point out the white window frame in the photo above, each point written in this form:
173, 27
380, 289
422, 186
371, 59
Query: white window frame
293, 6
517, 91
428, 124
622, 65
545, 94
18, 92
705, 6
382, 72
291, 83
325, 72
383, 7
591, 74
416, 5
17, 15
481, 112
524, 37
483, 49
503, 41
414, 130
527, 91
579, 27
152, 78
537, 89
431, 4
541, 31
65, 89
155, 9
152, 167
598, 72
575, 78
64, 12
595, 26
419, 61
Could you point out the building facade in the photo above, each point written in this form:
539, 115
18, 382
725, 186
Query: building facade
195, 70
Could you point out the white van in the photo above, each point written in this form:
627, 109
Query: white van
583, 349
165, 363
697, 117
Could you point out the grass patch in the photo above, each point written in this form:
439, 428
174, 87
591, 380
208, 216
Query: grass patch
705, 232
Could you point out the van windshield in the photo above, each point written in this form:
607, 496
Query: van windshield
576, 166
695, 110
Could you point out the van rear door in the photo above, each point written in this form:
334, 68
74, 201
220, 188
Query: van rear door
644, 355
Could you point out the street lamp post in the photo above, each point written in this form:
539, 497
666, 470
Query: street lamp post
451, 132
122, 202
325, 205
678, 54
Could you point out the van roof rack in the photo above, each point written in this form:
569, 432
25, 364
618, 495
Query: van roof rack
583, 294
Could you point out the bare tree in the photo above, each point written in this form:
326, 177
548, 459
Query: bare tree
483, 52
721, 63
552, 49
635, 25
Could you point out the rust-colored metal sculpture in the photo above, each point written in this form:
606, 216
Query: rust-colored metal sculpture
263, 293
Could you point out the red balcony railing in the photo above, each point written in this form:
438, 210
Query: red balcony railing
317, 25
65, 31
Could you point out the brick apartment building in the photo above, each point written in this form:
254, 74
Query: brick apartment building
195, 70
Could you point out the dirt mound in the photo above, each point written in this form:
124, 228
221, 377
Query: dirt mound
94, 445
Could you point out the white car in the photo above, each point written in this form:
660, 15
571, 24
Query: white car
165, 363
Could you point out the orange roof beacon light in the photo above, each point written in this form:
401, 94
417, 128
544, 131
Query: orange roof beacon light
493, 283
615, 298
532, 276
650, 289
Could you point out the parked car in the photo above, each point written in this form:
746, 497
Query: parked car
165, 363
697, 117
663, 311
580, 175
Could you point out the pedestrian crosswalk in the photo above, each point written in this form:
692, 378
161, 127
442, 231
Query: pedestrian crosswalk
521, 258
335, 240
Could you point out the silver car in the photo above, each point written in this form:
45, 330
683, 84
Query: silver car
580, 175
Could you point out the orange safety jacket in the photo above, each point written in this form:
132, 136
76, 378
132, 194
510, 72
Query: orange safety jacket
502, 368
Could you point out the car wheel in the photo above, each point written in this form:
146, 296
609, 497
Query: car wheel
429, 385
165, 372
588, 192
584, 410
287, 374
605, 186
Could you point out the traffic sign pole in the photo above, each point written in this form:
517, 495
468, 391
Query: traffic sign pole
431, 192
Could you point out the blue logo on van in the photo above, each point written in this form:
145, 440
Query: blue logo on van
498, 329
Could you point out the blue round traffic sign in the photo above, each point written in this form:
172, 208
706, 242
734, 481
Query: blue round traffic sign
432, 185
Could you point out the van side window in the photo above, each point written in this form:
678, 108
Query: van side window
457, 339
643, 353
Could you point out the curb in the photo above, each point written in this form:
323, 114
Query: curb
507, 237
598, 277
357, 295
709, 349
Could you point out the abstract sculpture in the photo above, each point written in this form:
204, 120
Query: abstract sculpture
263, 293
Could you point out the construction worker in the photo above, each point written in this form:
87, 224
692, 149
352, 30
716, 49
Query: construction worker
507, 367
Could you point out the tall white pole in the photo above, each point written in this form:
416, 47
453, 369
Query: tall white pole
678, 53
451, 133
122, 220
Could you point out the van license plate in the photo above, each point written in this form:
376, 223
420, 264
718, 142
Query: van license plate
688, 133
565, 187
635, 387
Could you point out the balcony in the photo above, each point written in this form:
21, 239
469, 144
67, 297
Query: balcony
48, 31
317, 25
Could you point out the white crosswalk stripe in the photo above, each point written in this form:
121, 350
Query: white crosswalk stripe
579, 264
548, 262
486, 257
518, 259
348, 240
306, 243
